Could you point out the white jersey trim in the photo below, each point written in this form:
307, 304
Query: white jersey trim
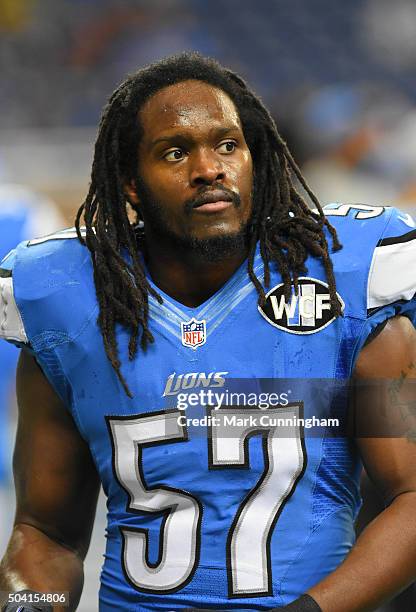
392, 274
11, 324
64, 234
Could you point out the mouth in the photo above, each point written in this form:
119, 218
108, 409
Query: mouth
212, 201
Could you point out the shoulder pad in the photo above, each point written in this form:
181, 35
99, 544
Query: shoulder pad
376, 265
359, 226
49, 289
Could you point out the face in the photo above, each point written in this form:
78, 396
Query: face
195, 172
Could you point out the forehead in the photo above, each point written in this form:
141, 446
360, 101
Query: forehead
189, 104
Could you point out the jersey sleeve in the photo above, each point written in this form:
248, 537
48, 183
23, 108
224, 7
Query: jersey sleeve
391, 283
375, 271
44, 302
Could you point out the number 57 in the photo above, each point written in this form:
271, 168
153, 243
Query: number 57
248, 541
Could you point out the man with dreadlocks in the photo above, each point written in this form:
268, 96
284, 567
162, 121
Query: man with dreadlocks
223, 279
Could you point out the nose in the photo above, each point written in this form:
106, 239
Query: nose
206, 168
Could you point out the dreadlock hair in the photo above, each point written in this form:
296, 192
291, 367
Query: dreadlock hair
284, 225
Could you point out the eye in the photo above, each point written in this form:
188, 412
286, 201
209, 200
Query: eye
174, 155
227, 147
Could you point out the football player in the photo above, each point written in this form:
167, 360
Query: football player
226, 281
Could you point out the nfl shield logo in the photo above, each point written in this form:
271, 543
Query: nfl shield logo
193, 333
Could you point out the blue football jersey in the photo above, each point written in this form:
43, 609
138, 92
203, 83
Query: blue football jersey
212, 502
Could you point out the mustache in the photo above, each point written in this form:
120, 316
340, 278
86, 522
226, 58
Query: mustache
199, 198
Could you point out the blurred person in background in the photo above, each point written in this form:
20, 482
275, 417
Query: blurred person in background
23, 214
348, 136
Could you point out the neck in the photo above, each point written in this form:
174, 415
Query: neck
185, 277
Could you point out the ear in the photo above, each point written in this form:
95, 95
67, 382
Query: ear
130, 191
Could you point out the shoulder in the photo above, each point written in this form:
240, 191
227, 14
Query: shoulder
353, 221
41, 282
376, 265
44, 264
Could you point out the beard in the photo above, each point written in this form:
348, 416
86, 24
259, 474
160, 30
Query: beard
217, 248
212, 249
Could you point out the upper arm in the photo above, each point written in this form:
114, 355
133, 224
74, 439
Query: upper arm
56, 480
385, 376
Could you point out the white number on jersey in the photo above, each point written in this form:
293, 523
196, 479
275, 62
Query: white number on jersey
248, 541
364, 211
183, 513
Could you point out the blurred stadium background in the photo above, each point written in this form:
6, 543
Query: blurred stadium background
339, 77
